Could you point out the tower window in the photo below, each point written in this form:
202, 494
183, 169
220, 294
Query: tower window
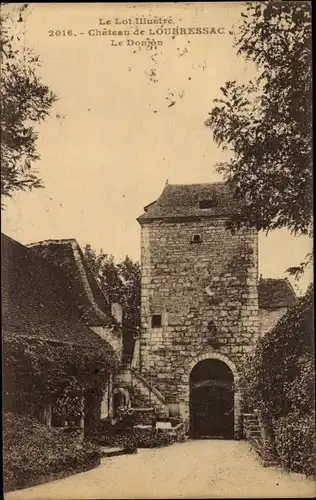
156, 321
196, 238
207, 203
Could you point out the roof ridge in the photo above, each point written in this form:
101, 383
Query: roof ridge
274, 279
81, 262
11, 239
56, 240
218, 183
290, 285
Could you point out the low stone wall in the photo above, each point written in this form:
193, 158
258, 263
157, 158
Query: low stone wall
144, 416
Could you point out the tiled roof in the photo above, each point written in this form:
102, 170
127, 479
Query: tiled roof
66, 256
183, 201
275, 293
38, 299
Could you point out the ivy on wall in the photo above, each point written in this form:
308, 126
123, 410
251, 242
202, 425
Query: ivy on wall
278, 374
278, 379
40, 372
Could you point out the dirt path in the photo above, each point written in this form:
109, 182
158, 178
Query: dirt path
196, 469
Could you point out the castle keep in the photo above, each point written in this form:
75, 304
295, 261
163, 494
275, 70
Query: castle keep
200, 313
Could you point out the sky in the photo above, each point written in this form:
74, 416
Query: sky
113, 139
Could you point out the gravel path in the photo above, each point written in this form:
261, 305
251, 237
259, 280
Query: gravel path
195, 469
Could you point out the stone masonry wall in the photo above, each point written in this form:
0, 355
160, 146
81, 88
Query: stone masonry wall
191, 284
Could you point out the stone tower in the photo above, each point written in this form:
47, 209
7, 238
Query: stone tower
199, 304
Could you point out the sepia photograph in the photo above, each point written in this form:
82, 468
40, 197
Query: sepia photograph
157, 250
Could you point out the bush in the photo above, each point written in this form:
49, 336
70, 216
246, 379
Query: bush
122, 438
152, 438
295, 442
132, 438
34, 453
126, 414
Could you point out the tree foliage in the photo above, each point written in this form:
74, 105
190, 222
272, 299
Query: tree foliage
279, 381
119, 282
25, 102
267, 123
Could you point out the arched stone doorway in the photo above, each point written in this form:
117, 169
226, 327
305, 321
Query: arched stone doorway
212, 400
120, 397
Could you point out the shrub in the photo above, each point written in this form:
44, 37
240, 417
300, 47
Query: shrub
33, 452
163, 438
133, 438
152, 438
122, 438
126, 414
295, 442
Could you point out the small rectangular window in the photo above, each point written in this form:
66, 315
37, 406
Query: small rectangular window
156, 321
196, 238
207, 203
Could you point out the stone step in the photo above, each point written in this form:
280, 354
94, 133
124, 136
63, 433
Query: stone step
142, 393
111, 451
255, 433
251, 421
159, 409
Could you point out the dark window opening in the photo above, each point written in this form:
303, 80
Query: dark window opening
207, 203
196, 238
156, 321
211, 327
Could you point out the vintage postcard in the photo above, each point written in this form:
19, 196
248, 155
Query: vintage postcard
157, 295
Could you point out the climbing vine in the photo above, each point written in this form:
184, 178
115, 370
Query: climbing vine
39, 372
277, 374
278, 380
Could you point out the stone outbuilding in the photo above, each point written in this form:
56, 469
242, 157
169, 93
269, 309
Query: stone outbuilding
50, 295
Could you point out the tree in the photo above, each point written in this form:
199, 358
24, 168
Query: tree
267, 123
25, 101
119, 282
130, 274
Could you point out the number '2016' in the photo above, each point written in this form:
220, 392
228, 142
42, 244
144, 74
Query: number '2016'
60, 32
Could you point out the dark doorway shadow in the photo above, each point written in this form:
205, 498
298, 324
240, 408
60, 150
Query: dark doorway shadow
211, 400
